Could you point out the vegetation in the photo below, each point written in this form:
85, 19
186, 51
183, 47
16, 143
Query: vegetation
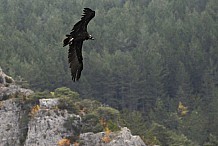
157, 58
64, 142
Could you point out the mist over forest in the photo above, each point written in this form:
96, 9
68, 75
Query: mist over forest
154, 60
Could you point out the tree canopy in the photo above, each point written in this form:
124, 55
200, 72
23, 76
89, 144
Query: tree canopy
148, 55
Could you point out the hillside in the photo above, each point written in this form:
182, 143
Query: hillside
56, 120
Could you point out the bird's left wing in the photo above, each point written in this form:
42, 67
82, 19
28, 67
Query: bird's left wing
75, 59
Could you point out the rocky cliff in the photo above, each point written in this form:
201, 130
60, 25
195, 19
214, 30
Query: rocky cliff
42, 123
120, 138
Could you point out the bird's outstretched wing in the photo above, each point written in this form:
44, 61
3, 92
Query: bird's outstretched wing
75, 59
88, 14
75, 41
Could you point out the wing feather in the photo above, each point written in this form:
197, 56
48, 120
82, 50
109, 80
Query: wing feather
88, 14
75, 59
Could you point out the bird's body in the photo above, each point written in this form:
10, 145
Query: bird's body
75, 41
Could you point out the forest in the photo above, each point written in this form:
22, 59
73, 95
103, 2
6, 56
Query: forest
154, 60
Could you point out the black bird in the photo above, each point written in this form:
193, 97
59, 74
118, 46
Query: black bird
75, 41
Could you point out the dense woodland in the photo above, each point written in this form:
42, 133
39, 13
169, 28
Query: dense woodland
156, 60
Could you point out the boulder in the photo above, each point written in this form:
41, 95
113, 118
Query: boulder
8, 88
5, 79
121, 138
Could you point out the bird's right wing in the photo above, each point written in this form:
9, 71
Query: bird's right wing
75, 59
88, 14
81, 26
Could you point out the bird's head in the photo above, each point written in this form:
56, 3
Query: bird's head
90, 37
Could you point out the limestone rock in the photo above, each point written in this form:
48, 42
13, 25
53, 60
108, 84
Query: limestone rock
12, 90
43, 128
44, 124
126, 138
5, 79
46, 128
11, 123
121, 138
48, 103
8, 88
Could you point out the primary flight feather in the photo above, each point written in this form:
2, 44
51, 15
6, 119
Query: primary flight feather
75, 41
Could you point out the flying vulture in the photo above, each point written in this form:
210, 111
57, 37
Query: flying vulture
75, 41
